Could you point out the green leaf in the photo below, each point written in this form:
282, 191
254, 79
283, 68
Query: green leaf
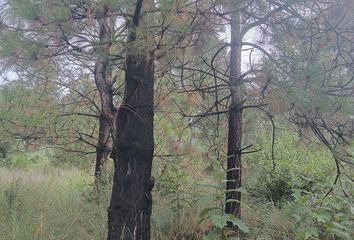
241, 225
212, 235
311, 232
220, 221
322, 216
206, 211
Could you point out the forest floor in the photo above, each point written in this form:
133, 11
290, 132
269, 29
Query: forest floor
50, 202
58, 203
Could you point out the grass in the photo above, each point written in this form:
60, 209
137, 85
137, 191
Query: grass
48, 204
56, 203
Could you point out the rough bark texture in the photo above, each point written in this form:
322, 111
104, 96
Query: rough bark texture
234, 165
131, 203
132, 127
130, 209
103, 148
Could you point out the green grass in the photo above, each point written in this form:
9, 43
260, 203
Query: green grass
48, 204
55, 203
39, 202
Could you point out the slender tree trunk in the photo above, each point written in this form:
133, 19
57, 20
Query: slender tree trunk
131, 203
103, 149
104, 84
234, 165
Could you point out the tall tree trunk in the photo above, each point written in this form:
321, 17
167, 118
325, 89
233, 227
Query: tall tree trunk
234, 165
132, 128
104, 84
103, 149
131, 203
130, 209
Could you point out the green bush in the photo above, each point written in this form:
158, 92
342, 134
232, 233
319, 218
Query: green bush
21, 159
297, 165
63, 158
316, 217
271, 188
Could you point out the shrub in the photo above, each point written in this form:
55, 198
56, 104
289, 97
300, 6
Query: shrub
298, 165
316, 217
275, 188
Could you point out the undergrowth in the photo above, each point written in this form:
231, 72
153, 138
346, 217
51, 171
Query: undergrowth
39, 200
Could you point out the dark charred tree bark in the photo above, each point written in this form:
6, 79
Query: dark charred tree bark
132, 130
234, 164
131, 203
102, 149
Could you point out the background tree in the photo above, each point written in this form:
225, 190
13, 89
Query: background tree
42, 42
254, 28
